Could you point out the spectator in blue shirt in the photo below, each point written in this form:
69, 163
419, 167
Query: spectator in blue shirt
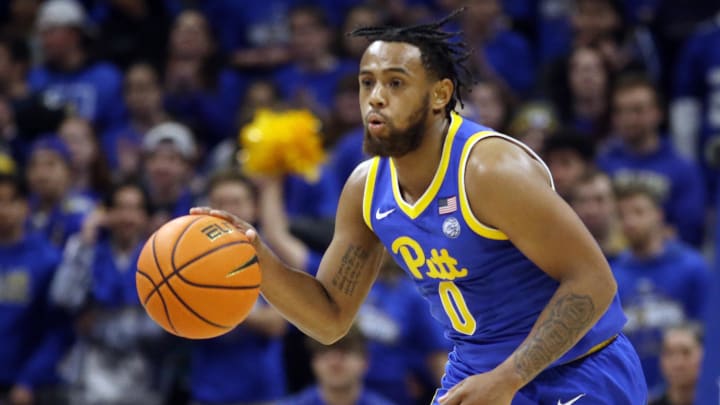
68, 76
640, 152
311, 80
56, 211
255, 33
339, 370
90, 174
581, 92
116, 357
199, 90
695, 113
501, 53
32, 333
144, 100
169, 153
661, 281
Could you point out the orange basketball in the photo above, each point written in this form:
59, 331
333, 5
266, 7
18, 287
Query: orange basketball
198, 276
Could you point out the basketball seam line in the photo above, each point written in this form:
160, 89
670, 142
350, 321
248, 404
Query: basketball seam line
177, 272
157, 264
162, 300
182, 301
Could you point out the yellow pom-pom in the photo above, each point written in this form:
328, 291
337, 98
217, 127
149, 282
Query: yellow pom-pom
279, 143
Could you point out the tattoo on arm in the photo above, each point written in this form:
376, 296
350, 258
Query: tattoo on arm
568, 317
351, 264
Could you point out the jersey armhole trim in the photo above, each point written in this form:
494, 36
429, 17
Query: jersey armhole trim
470, 219
474, 224
369, 192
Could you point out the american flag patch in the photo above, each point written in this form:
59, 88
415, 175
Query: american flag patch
447, 205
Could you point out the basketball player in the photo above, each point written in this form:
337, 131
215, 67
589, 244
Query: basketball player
522, 289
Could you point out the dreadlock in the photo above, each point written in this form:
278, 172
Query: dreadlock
440, 55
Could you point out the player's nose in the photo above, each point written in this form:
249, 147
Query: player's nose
377, 98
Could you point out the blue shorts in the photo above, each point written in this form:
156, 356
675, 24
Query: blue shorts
612, 376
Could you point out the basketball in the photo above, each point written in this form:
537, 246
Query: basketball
198, 276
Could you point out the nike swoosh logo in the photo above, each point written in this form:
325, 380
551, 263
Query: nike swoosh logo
572, 401
380, 215
253, 260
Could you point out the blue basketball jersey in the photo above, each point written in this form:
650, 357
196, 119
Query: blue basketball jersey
485, 292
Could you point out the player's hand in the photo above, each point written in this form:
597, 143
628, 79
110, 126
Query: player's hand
238, 223
481, 389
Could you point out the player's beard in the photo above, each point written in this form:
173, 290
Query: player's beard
399, 142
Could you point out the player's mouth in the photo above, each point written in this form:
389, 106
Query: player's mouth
375, 123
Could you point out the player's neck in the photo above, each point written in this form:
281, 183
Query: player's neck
342, 396
416, 169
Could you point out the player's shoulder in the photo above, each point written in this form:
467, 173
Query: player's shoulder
494, 156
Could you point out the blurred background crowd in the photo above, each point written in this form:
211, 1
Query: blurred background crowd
118, 115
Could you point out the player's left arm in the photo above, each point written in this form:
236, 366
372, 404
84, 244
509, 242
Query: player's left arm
511, 191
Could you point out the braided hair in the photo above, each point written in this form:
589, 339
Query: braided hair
441, 55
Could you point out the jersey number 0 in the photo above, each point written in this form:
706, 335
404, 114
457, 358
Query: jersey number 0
456, 308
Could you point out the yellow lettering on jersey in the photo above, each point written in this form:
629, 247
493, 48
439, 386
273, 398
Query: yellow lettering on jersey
440, 265
413, 260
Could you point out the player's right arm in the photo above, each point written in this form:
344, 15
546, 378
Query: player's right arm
323, 307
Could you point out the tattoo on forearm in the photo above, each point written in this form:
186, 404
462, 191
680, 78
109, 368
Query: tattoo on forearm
352, 262
569, 316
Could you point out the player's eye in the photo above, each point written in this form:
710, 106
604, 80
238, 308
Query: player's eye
395, 83
365, 83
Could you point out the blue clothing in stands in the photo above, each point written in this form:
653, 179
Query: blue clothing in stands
63, 220
510, 56
214, 360
94, 91
697, 76
315, 200
401, 333
346, 155
33, 335
311, 396
248, 24
708, 389
179, 207
211, 113
113, 283
115, 139
679, 182
659, 292
319, 87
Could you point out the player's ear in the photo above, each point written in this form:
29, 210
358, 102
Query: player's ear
441, 94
